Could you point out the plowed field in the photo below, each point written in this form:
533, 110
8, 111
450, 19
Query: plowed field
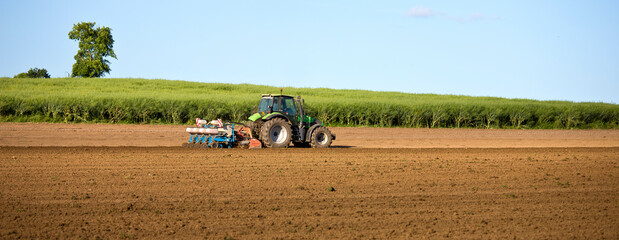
546, 187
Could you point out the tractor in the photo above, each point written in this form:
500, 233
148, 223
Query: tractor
280, 119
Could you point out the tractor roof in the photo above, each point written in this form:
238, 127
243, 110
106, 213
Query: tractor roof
276, 95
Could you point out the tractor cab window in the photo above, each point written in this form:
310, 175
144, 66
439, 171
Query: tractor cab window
288, 107
264, 105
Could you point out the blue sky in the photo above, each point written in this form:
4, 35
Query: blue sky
547, 50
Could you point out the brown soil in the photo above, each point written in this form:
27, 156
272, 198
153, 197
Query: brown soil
551, 190
54, 134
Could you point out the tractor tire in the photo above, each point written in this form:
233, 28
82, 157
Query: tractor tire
254, 128
276, 133
321, 138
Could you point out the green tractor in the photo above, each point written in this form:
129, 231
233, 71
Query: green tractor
279, 120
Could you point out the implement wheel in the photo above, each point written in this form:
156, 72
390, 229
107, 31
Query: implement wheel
321, 138
276, 133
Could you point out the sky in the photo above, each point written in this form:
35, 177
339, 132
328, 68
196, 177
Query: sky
545, 50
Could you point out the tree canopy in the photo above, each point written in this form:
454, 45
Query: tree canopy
34, 73
94, 46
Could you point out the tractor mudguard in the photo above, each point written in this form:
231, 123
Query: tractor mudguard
273, 115
310, 130
255, 117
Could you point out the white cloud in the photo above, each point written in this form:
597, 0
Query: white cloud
476, 16
420, 12
425, 12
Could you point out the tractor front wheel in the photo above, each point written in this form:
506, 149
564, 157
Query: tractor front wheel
276, 133
321, 138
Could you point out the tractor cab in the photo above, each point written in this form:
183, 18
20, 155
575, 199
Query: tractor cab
280, 104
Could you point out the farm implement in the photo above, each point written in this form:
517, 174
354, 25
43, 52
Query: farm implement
277, 121
218, 134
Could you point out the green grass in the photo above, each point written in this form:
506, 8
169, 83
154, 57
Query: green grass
179, 102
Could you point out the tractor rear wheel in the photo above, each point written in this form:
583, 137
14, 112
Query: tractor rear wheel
321, 138
276, 133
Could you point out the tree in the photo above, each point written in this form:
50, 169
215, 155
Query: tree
95, 45
34, 73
